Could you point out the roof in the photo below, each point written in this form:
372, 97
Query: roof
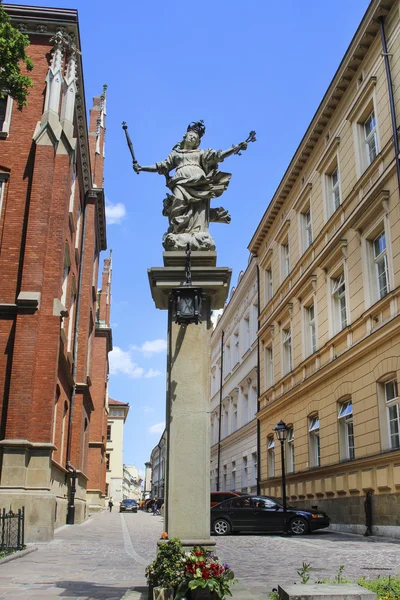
117, 402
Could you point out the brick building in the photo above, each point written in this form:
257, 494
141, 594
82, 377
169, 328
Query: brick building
52, 229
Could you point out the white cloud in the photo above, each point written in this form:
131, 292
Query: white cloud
214, 316
121, 363
148, 409
115, 213
157, 428
153, 347
152, 373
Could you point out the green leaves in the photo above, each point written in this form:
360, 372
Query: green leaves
13, 46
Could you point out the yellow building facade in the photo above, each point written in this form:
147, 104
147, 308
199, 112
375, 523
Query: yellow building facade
328, 248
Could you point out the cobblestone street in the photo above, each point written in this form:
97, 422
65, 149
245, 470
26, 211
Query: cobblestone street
104, 557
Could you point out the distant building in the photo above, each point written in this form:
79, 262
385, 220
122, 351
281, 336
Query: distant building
118, 412
147, 480
158, 462
233, 411
52, 230
132, 483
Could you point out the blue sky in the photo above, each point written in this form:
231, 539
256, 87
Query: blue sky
259, 65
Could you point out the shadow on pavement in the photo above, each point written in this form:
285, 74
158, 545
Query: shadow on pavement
94, 591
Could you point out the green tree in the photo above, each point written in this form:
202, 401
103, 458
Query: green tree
13, 45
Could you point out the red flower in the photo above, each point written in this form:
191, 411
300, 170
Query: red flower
198, 553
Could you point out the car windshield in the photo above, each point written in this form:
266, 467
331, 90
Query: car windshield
129, 501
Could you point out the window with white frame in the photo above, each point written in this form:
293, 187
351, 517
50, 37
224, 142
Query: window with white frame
254, 310
233, 475
227, 360
287, 350
244, 473
225, 477
71, 321
235, 348
306, 228
339, 308
334, 190
269, 367
253, 469
392, 407
234, 416
246, 333
271, 456
268, 285
285, 260
254, 401
245, 409
6, 104
346, 430
216, 478
314, 441
3, 179
381, 264
311, 330
225, 420
290, 451
370, 138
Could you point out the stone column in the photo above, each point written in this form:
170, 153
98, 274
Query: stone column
187, 503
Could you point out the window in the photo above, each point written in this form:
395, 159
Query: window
271, 456
3, 179
63, 430
233, 475
245, 412
392, 404
225, 476
253, 469
370, 138
268, 285
78, 226
290, 451
234, 417
71, 322
339, 303
235, 348
381, 264
311, 333
269, 367
108, 433
313, 430
5, 115
334, 190
227, 360
246, 333
287, 350
307, 229
108, 462
285, 260
244, 473
346, 431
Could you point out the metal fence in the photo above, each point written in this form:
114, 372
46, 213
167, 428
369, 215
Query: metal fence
12, 529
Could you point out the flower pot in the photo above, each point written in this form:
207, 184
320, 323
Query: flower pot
202, 594
160, 593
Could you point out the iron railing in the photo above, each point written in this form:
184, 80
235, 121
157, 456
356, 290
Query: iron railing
12, 529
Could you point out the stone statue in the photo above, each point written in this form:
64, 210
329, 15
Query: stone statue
196, 180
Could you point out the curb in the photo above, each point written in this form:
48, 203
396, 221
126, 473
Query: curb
18, 554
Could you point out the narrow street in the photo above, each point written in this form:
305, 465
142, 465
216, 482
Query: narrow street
106, 556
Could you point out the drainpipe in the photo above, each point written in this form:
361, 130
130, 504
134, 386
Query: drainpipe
258, 387
391, 99
220, 407
70, 468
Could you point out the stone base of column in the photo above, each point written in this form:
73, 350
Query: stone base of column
188, 404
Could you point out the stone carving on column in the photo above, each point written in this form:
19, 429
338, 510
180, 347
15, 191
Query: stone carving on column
194, 184
54, 77
69, 89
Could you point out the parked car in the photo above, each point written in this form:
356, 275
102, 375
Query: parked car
263, 513
128, 505
217, 497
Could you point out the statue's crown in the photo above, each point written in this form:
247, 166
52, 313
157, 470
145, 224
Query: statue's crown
198, 127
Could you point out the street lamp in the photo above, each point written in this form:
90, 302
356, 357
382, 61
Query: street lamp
281, 431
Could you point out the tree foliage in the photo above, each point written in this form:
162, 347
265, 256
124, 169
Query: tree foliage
13, 45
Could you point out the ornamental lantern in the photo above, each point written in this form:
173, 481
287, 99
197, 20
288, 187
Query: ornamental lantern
187, 305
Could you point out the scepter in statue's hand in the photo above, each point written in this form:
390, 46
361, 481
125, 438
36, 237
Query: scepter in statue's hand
136, 167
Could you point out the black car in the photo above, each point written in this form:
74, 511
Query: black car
263, 513
128, 505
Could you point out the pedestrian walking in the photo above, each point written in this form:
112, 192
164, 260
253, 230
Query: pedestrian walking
110, 504
155, 506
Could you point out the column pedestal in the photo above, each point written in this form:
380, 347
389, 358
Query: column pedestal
187, 502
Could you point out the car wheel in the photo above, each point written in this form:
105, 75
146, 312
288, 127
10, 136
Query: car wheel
221, 527
298, 526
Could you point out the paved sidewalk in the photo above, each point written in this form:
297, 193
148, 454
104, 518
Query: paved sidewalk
105, 558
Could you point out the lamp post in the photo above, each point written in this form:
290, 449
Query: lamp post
281, 431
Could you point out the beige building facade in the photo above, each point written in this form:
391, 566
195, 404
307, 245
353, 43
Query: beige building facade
233, 412
328, 247
118, 412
